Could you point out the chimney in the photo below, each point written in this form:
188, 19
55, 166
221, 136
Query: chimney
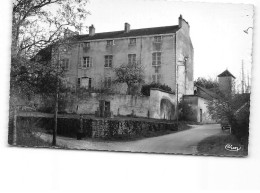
127, 27
91, 30
180, 21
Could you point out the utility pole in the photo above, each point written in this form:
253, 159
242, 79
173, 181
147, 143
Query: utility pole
177, 86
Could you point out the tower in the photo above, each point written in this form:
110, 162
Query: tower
226, 82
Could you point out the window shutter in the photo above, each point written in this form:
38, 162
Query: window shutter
91, 62
154, 78
79, 63
158, 78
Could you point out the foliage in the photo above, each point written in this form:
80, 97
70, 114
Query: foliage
131, 129
215, 145
147, 87
235, 108
132, 74
39, 23
206, 83
186, 112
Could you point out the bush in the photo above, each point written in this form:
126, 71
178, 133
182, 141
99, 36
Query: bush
147, 87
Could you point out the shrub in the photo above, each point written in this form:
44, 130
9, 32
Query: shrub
147, 87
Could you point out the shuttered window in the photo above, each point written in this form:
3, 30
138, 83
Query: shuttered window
156, 78
131, 58
87, 62
108, 61
64, 63
156, 58
108, 82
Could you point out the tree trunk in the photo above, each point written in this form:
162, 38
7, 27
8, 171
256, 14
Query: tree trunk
56, 114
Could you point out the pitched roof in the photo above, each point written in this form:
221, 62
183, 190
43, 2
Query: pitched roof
206, 93
131, 33
225, 74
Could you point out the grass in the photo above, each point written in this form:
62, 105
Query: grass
215, 145
26, 138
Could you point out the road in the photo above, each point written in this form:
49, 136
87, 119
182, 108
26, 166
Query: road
183, 142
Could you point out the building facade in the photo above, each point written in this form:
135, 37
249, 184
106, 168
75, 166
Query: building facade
165, 53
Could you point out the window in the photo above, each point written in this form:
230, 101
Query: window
90, 83
86, 44
110, 42
131, 58
108, 61
132, 41
86, 82
64, 64
108, 82
87, 62
158, 39
156, 58
66, 82
156, 78
79, 82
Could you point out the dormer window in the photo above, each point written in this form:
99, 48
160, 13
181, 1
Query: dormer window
158, 39
110, 42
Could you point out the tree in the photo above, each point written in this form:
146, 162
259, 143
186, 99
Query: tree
234, 108
39, 23
132, 74
206, 83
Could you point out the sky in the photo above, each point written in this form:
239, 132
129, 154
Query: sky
216, 30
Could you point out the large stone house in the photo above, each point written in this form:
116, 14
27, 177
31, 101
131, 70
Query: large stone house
90, 62
165, 53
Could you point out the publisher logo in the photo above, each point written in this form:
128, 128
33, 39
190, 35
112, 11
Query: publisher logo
230, 147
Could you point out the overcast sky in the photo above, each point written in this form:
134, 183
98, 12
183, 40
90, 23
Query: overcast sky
216, 29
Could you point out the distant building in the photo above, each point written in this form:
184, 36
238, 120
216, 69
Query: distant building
226, 82
198, 102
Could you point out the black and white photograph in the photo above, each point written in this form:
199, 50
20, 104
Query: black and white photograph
129, 96
126, 76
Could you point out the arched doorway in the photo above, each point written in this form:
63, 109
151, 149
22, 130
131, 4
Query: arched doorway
167, 109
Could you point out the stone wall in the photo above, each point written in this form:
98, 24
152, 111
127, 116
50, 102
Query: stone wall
126, 105
109, 129
96, 128
202, 104
119, 104
199, 109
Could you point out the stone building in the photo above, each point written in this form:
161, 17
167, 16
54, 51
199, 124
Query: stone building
162, 51
226, 82
198, 102
165, 53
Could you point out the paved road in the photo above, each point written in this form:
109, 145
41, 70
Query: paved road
184, 142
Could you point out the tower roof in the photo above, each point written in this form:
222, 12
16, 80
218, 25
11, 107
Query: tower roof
226, 73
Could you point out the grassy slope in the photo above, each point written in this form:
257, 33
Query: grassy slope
215, 145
